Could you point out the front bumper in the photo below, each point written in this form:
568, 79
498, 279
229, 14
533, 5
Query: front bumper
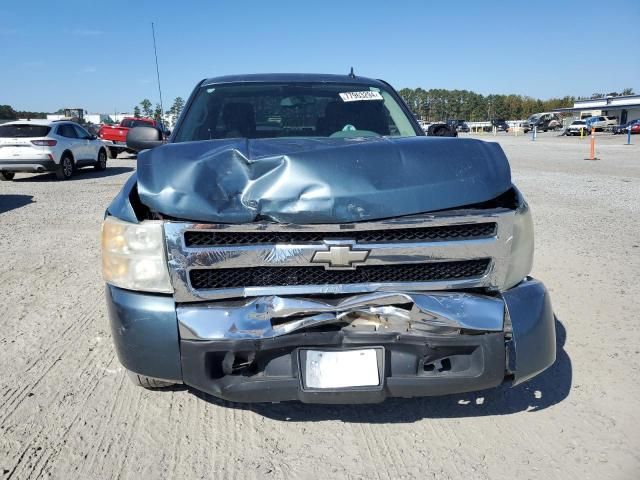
30, 165
515, 341
114, 143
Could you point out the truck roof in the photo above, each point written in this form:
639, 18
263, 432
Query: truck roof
292, 78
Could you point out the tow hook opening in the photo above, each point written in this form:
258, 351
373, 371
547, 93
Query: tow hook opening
449, 361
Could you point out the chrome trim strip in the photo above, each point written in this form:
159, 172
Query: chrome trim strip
397, 312
182, 259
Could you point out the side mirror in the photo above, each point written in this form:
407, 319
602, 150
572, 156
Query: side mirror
93, 137
143, 138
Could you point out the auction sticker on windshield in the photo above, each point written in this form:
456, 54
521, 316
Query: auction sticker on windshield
360, 96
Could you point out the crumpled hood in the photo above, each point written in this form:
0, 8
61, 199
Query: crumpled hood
318, 180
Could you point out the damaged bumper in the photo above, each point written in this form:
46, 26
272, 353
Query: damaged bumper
255, 350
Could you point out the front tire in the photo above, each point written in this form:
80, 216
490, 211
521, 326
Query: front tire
101, 161
7, 176
65, 169
149, 383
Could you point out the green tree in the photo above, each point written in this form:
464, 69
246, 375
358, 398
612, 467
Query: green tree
176, 108
146, 107
7, 113
627, 91
157, 113
136, 112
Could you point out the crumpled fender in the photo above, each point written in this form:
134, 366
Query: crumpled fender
121, 206
318, 180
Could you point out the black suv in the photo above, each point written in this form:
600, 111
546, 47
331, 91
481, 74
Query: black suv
499, 124
459, 125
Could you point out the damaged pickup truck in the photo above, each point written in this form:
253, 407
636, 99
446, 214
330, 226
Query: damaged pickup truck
300, 238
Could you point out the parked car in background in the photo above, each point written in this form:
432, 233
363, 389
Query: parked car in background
600, 123
499, 124
329, 257
543, 122
48, 146
576, 127
92, 128
441, 129
423, 125
622, 129
115, 136
459, 125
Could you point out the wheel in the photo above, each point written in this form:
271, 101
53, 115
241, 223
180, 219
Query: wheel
544, 130
113, 152
7, 176
101, 163
147, 382
65, 169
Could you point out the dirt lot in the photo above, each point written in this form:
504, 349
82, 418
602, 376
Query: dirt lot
68, 411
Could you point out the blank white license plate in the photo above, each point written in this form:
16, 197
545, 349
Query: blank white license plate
341, 369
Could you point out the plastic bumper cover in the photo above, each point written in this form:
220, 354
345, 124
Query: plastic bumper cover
146, 333
35, 165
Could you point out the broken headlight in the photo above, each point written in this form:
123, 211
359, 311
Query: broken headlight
133, 256
521, 259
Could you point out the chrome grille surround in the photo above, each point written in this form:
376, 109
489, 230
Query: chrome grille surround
183, 259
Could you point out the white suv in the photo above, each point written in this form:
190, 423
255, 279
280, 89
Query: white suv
601, 122
45, 146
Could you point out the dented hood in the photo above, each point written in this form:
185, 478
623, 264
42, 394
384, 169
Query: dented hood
318, 180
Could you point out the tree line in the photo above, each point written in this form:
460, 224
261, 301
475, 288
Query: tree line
8, 113
146, 109
440, 104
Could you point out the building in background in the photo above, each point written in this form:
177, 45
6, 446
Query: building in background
624, 108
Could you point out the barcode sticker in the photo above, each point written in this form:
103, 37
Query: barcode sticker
360, 96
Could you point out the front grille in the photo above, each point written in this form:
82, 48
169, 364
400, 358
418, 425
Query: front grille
204, 279
195, 238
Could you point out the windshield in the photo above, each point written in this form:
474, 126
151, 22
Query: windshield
269, 110
24, 131
534, 118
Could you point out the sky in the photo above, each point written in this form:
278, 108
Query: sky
98, 54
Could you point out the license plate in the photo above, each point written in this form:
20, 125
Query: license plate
341, 369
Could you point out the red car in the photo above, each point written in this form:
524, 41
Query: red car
623, 129
115, 137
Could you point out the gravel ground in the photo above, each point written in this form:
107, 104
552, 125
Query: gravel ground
68, 411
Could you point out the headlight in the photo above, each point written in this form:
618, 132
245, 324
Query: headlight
133, 256
521, 259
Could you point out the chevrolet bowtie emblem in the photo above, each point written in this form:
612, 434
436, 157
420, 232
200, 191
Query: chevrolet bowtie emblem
340, 256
